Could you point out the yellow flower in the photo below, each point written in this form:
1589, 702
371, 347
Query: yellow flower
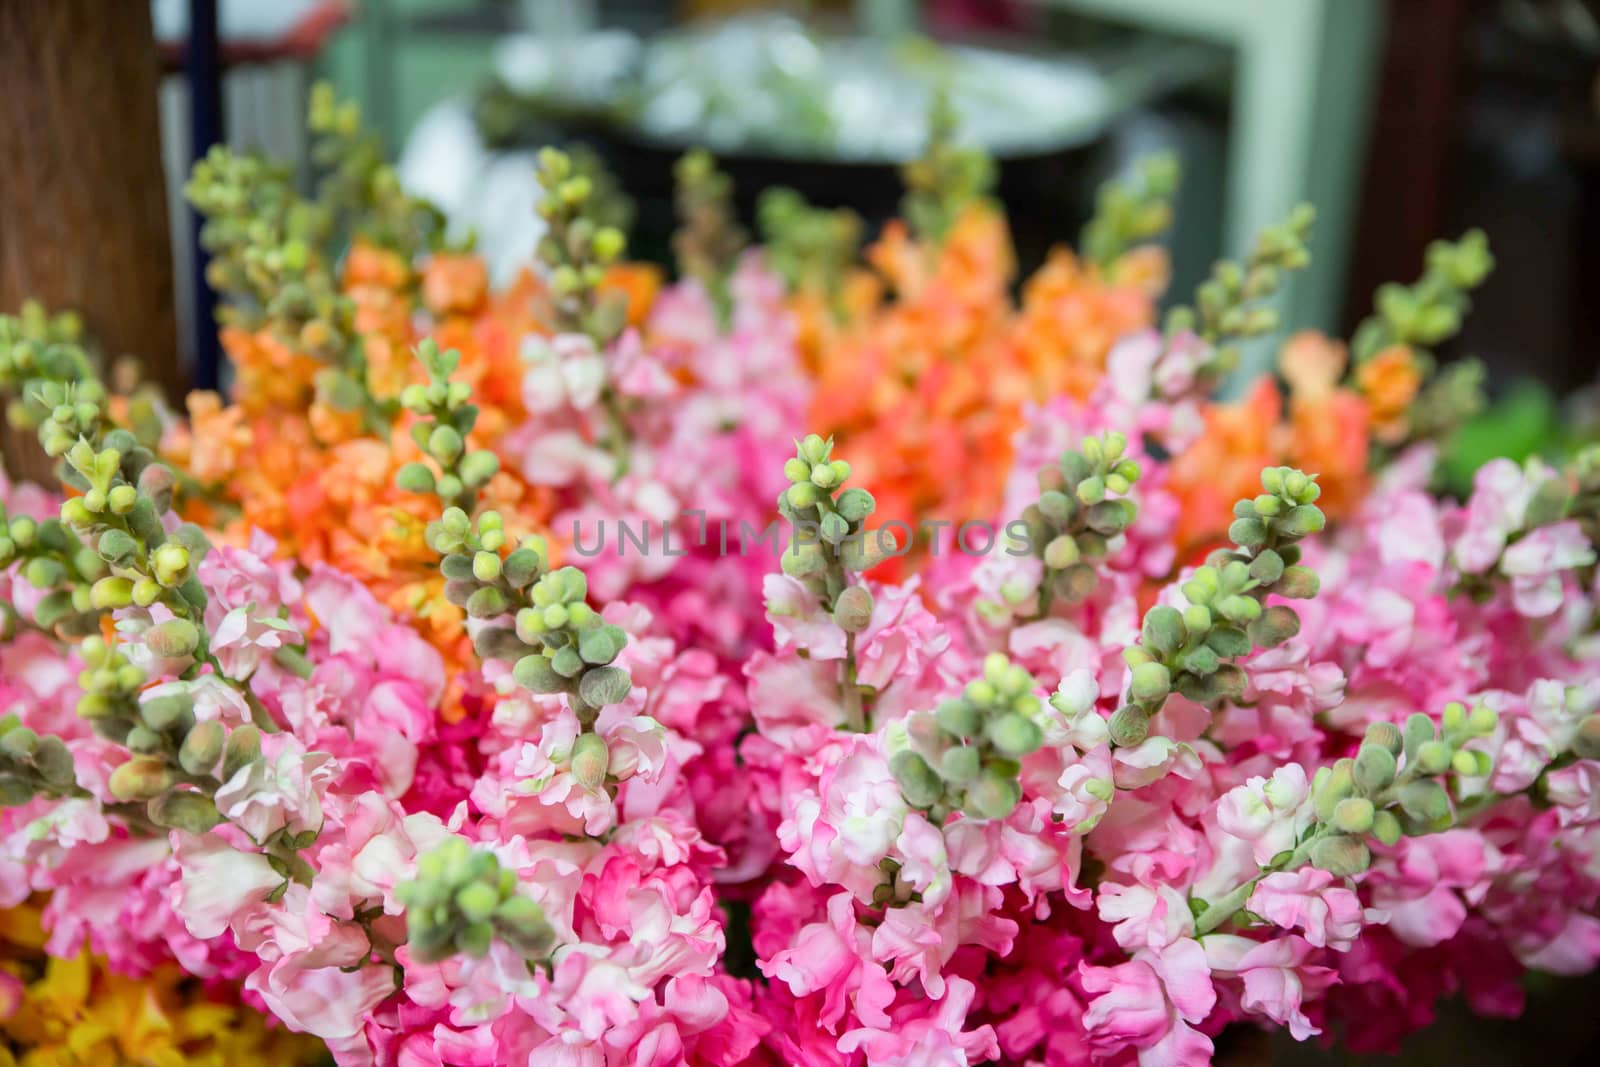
76, 1013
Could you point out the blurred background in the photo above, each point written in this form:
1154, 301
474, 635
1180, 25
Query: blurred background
1402, 120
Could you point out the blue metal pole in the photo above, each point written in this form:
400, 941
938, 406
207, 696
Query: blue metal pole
203, 67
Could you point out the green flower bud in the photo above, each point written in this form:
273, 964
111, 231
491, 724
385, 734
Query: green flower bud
522, 567
485, 566
1454, 716
1151, 683
1353, 815
1091, 490
1419, 729
1374, 768
797, 470
141, 778
1425, 801
1465, 763
959, 718
1302, 520
604, 685
852, 611
1014, 735
814, 449
918, 783
601, 644
1267, 506
156, 483
115, 546
1061, 552
54, 763
1163, 632
445, 444
534, 673
415, 478
186, 810
478, 466
992, 796
1202, 660
477, 901
1385, 735
1111, 517
111, 593
202, 747
1129, 726
1267, 567
1058, 507
1385, 827
1330, 786
1341, 855
961, 764
982, 692
590, 760
1586, 741
144, 741
802, 495
146, 591
170, 563
1248, 533
834, 528
567, 662
1276, 625
1238, 608
121, 499
855, 504
487, 603
1077, 582
1482, 720
19, 743
164, 712
242, 749
1433, 757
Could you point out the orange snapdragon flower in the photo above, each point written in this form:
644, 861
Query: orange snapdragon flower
1389, 381
311, 471
1324, 429
925, 375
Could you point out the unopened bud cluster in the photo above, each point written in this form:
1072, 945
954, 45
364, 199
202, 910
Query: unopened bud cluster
1234, 303
31, 765
125, 493
945, 178
1187, 650
1391, 786
811, 248
447, 417
1130, 213
709, 237
50, 377
56, 561
966, 755
462, 900
358, 180
1083, 508
830, 531
558, 643
577, 249
178, 763
1429, 312
266, 253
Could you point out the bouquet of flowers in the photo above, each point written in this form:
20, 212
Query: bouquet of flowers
800, 663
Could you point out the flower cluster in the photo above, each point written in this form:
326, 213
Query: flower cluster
430, 698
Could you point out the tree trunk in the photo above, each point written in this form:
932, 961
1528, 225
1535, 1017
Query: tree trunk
83, 208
